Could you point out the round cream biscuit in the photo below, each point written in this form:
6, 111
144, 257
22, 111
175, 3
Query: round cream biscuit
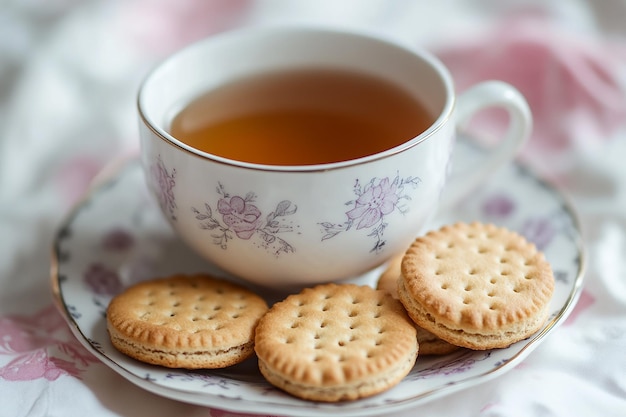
476, 285
336, 342
193, 322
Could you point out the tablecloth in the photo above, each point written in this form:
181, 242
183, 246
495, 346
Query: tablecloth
69, 72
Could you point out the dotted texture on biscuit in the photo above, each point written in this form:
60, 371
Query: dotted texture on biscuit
185, 315
477, 277
336, 342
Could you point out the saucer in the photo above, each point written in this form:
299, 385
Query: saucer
116, 236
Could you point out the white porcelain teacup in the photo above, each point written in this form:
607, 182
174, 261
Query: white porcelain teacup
283, 226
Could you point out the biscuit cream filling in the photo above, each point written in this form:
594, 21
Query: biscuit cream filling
428, 321
346, 390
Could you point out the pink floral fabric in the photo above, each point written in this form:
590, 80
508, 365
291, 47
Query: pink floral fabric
40, 346
573, 83
69, 72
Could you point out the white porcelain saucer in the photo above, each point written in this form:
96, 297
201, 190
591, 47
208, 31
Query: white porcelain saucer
117, 236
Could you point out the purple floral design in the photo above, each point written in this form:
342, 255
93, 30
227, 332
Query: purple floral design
375, 202
241, 218
164, 181
540, 231
102, 280
498, 205
463, 363
376, 199
206, 379
117, 240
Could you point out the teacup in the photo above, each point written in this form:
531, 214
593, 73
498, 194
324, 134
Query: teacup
296, 225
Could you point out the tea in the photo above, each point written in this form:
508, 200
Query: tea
301, 117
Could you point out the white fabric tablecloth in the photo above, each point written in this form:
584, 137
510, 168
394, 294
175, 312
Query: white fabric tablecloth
69, 72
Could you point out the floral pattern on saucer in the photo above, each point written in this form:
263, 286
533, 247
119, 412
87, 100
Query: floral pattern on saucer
118, 236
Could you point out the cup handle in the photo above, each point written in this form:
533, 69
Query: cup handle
485, 95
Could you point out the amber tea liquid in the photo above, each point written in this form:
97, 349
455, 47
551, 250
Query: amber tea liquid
301, 117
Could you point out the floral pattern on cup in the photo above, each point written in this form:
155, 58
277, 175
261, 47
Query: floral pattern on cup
375, 200
242, 219
164, 181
